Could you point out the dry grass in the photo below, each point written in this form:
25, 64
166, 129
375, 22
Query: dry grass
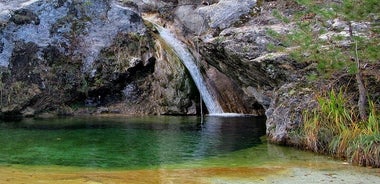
334, 128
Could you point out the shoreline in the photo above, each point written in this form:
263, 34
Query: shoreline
268, 173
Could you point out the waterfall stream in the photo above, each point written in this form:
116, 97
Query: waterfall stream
189, 61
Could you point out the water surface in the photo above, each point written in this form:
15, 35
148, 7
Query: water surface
160, 150
127, 143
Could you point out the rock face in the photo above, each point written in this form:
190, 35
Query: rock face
199, 22
284, 114
233, 50
232, 39
62, 55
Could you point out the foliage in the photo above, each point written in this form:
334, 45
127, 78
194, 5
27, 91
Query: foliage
335, 128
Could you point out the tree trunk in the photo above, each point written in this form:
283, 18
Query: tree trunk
362, 102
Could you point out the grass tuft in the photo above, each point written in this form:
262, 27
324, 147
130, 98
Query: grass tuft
335, 128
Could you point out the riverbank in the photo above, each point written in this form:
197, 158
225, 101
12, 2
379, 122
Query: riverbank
334, 128
297, 172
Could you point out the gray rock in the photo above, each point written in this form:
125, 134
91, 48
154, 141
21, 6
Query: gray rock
84, 26
58, 53
285, 111
226, 12
199, 17
190, 19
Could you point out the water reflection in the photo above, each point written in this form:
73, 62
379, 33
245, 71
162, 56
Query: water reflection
226, 134
125, 142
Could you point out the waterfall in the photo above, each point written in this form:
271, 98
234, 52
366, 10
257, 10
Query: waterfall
189, 61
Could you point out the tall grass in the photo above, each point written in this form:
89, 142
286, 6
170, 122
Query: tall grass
335, 128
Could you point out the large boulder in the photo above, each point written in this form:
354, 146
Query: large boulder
198, 16
285, 113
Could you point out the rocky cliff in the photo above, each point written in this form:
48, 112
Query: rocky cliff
68, 57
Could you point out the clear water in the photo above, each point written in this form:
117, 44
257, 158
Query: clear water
160, 150
125, 143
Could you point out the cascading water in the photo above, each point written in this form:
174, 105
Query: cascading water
189, 61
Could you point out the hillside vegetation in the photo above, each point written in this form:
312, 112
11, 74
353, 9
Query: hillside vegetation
341, 39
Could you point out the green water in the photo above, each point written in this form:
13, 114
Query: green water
160, 150
127, 143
